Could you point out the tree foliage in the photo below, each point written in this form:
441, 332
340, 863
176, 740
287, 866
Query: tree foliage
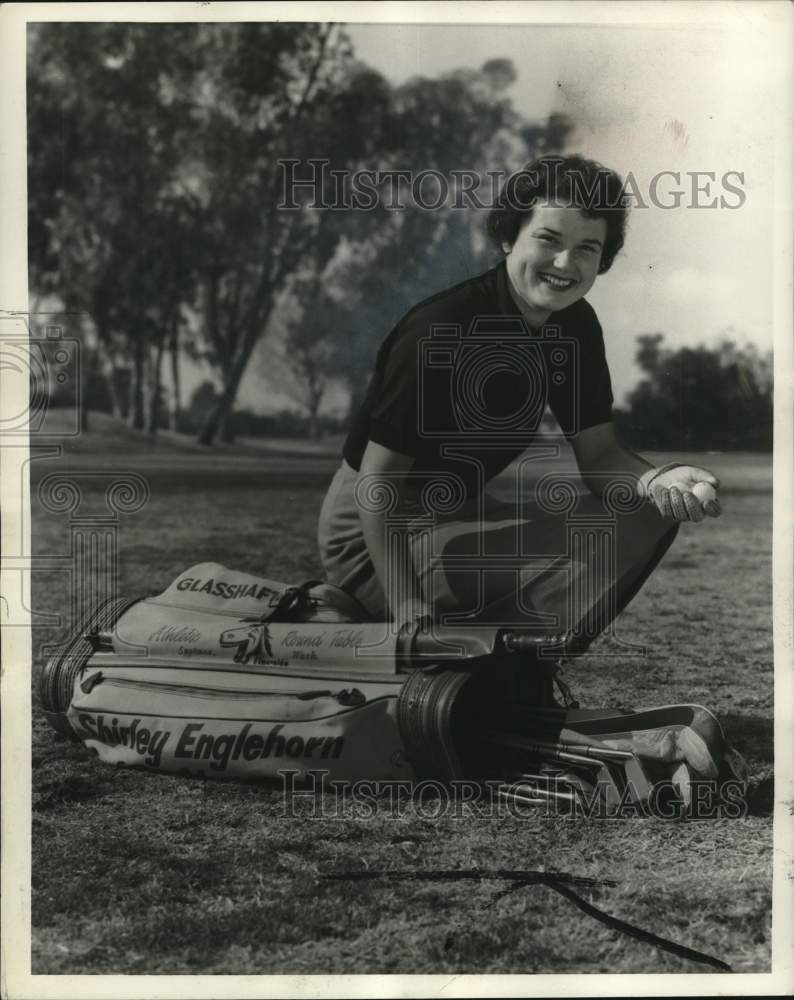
699, 398
108, 234
157, 203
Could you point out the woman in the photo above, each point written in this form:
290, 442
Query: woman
458, 392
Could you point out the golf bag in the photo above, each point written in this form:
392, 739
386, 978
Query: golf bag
228, 675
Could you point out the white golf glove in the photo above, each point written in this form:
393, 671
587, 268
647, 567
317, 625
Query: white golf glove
681, 492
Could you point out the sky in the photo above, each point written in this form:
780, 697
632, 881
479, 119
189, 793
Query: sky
688, 98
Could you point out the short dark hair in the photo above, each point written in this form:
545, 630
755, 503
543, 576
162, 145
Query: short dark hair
594, 189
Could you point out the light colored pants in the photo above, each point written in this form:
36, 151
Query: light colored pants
556, 564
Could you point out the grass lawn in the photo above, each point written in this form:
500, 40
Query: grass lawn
134, 873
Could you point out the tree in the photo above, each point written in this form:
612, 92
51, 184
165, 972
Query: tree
275, 92
155, 182
203, 398
697, 398
361, 268
158, 157
301, 346
108, 235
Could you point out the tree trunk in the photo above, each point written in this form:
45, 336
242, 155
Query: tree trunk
264, 301
315, 397
122, 382
217, 418
110, 375
175, 409
226, 427
119, 392
155, 389
88, 375
136, 410
115, 402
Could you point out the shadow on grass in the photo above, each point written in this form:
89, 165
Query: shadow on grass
752, 735
760, 796
59, 791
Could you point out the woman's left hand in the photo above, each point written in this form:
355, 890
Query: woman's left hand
682, 492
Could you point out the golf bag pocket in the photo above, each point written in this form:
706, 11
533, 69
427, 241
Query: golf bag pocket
195, 727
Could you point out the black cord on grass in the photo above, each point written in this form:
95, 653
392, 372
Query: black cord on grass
637, 932
469, 875
558, 881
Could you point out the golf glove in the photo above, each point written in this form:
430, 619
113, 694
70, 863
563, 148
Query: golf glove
670, 489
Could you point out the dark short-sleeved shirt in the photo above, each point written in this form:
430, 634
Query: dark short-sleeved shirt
461, 383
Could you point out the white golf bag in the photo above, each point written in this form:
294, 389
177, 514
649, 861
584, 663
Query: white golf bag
228, 675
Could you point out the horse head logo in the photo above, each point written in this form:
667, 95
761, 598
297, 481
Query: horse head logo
252, 640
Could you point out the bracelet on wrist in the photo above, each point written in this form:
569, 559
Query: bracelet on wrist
645, 480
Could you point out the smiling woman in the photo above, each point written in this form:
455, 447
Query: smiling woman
458, 393
554, 261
